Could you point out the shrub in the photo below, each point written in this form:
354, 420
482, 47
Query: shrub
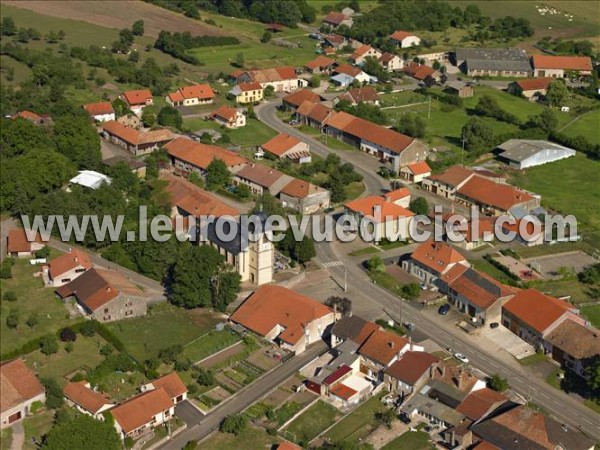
67, 335
48, 344
497, 383
234, 424
88, 328
69, 346
10, 296
54, 394
12, 320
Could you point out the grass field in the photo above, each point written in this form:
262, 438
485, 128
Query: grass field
32, 297
251, 438
85, 354
577, 193
163, 326
592, 313
253, 134
359, 423
210, 343
5, 438
586, 126
487, 267
36, 427
313, 421
584, 24
411, 440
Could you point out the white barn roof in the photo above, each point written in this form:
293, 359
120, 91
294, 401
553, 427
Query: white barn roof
90, 179
528, 153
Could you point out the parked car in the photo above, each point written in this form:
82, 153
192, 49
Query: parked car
294, 122
410, 326
444, 309
494, 325
461, 357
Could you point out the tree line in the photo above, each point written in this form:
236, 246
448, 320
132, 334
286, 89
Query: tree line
176, 44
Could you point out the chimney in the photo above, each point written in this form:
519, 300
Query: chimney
391, 344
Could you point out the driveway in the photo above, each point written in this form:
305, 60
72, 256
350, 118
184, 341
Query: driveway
188, 413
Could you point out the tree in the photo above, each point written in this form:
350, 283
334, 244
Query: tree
8, 27
54, 394
69, 347
305, 250
411, 291
240, 61
479, 136
590, 275
9, 296
386, 417
266, 37
88, 328
547, 120
497, 383
269, 91
32, 320
419, 206
48, 344
149, 116
375, 264
169, 354
12, 320
557, 93
234, 424
43, 252
170, 117
217, 175
120, 107
205, 377
138, 28
68, 335
342, 304
83, 432
592, 373
78, 140
315, 81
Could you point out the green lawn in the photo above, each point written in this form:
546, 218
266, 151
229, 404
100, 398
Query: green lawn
410, 440
359, 423
486, 267
250, 438
592, 313
163, 326
577, 193
85, 354
253, 134
5, 438
36, 427
210, 343
559, 288
364, 251
32, 297
532, 360
313, 421
587, 127
355, 190
335, 144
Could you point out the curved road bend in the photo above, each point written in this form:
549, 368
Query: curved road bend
246, 397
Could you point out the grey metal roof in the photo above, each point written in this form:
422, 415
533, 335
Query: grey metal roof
520, 149
426, 405
491, 54
500, 65
458, 85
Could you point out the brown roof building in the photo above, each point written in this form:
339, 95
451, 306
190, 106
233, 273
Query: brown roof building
135, 141
260, 178
295, 99
189, 156
171, 384
364, 94
198, 94
281, 315
190, 200
286, 146
143, 412
480, 403
19, 245
410, 372
67, 267
19, 389
86, 400
574, 345
383, 347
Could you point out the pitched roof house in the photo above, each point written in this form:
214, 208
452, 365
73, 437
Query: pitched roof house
559, 66
18, 244
320, 64
137, 100
229, 117
530, 88
304, 197
281, 315
198, 94
247, 92
285, 146
19, 389
101, 111
260, 178
352, 328
415, 172
391, 62
380, 350
282, 79
532, 315
421, 72
493, 61
38, 119
81, 396
410, 372
67, 267
135, 141
405, 39
105, 295
313, 114
334, 19
363, 94
172, 385
295, 99
363, 52
190, 156
390, 217
143, 412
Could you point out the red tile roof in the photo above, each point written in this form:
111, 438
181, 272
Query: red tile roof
225, 112
537, 310
411, 367
335, 18
287, 446
195, 201
382, 346
480, 289
349, 70
499, 195
301, 189
315, 111
366, 207
18, 384
141, 409
199, 91
68, 261
335, 38
400, 35
342, 391
18, 241
281, 144
320, 62
201, 155
137, 97
534, 84
397, 194
85, 397
28, 115
480, 402
246, 87
98, 109
135, 137
418, 71
298, 97
272, 305
437, 255
171, 383
583, 63
361, 94
419, 168
262, 175
453, 176
363, 49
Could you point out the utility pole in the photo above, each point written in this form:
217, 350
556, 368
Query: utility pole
462, 152
429, 109
345, 279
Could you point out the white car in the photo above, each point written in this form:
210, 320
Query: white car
461, 357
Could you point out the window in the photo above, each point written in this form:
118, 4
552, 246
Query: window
65, 280
105, 310
79, 270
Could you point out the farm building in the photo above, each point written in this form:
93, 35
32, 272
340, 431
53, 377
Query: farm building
493, 62
532, 89
524, 153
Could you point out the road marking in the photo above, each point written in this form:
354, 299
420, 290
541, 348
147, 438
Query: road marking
333, 264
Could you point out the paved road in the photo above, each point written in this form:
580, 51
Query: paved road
188, 413
246, 397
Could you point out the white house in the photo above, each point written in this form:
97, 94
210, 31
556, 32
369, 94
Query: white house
101, 111
142, 413
20, 390
83, 398
229, 117
198, 94
405, 39
137, 100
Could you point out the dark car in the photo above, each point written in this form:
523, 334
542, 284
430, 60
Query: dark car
444, 309
404, 418
494, 325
